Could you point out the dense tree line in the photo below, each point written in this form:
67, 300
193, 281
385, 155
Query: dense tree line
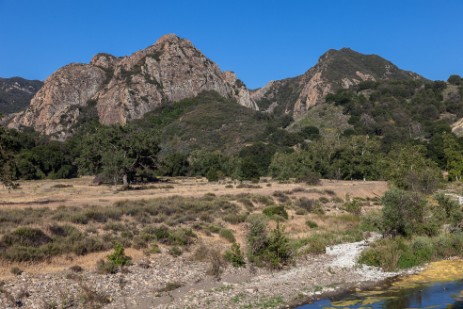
399, 131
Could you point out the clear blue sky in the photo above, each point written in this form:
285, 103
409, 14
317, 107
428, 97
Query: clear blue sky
260, 40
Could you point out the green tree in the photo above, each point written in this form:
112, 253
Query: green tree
408, 168
298, 164
453, 151
454, 79
7, 163
403, 212
175, 164
121, 153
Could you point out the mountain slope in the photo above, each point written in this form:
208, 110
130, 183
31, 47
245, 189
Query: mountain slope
123, 89
336, 69
16, 93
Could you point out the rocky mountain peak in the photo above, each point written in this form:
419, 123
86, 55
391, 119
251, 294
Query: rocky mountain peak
335, 69
124, 88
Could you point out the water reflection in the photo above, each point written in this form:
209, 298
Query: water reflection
435, 296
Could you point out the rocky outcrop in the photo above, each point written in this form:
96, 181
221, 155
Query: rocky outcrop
126, 88
56, 107
16, 93
336, 69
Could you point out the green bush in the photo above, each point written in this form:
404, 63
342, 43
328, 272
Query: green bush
401, 253
26, 236
403, 212
311, 224
175, 251
353, 207
275, 212
235, 256
227, 234
264, 249
118, 257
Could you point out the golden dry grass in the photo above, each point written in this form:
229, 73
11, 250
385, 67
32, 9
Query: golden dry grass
80, 192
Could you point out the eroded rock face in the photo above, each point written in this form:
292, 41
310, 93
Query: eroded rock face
126, 88
336, 69
55, 108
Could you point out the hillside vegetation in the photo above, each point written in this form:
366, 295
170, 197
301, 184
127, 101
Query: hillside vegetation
359, 133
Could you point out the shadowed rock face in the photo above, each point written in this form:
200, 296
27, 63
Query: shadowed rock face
16, 93
336, 69
126, 88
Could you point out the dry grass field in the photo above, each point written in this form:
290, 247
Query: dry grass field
80, 191
51, 225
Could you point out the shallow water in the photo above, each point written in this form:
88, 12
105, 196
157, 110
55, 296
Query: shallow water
440, 285
438, 295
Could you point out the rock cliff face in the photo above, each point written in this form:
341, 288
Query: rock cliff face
16, 93
126, 88
335, 69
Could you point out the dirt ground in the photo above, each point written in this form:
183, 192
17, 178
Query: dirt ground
42, 277
81, 192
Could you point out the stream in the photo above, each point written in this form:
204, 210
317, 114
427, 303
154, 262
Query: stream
437, 285
436, 295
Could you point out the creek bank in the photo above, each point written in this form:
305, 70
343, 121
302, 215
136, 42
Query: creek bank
162, 281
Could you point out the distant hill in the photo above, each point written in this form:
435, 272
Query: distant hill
336, 69
16, 93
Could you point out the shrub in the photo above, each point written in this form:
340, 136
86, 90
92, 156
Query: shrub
227, 234
16, 271
275, 212
257, 236
353, 207
115, 261
311, 224
26, 236
271, 250
175, 251
403, 212
118, 257
103, 267
217, 264
278, 253
235, 218
306, 204
235, 256
76, 269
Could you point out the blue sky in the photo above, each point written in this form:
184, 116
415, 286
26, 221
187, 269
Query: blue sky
259, 40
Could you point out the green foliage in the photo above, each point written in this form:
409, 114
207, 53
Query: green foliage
175, 164
403, 212
120, 153
452, 209
453, 154
408, 168
311, 224
400, 253
353, 207
275, 212
264, 249
227, 234
455, 79
118, 257
255, 160
298, 164
235, 256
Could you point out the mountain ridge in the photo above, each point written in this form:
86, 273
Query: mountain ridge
125, 88
16, 93
334, 70
122, 89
